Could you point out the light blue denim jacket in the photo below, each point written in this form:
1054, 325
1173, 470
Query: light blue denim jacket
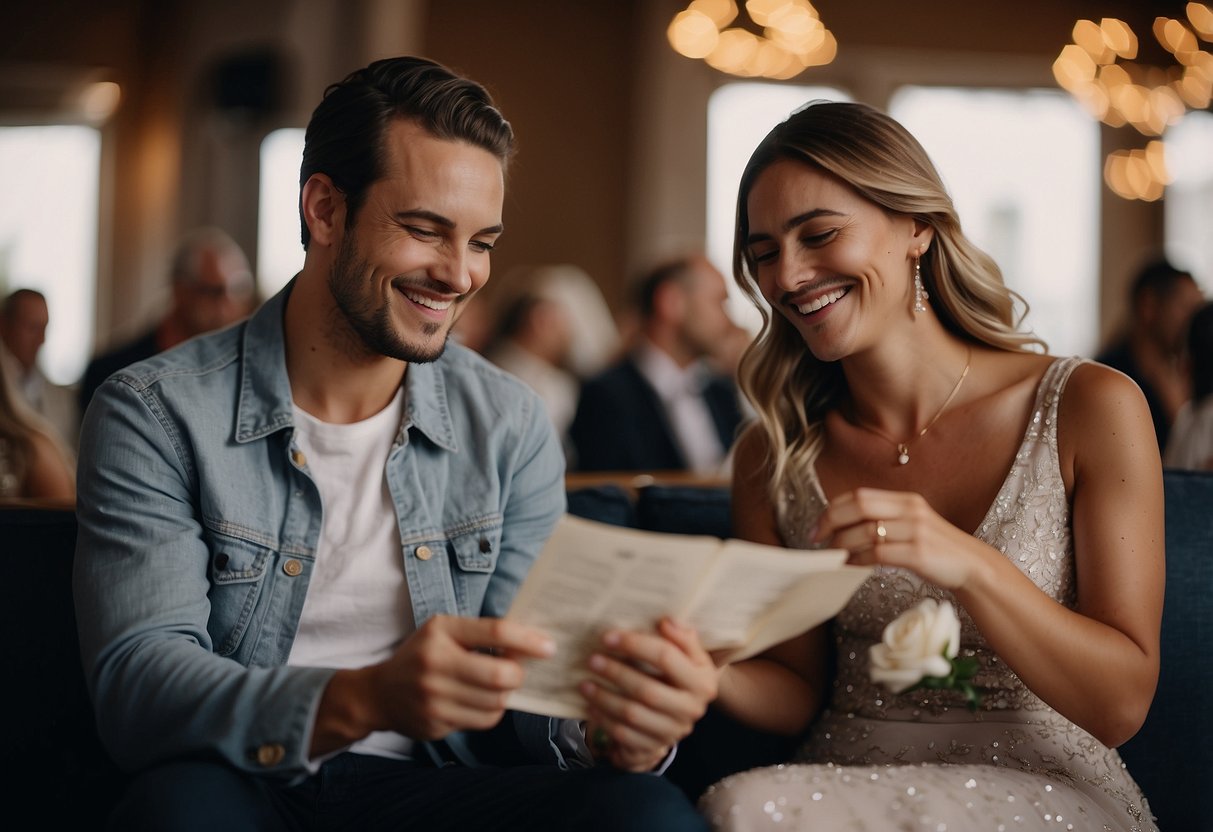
198, 526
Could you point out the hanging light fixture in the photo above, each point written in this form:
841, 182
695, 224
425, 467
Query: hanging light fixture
793, 37
1100, 68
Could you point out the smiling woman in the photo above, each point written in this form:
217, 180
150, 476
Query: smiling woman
883, 323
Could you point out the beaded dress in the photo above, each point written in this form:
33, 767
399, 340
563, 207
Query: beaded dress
920, 760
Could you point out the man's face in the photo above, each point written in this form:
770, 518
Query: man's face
220, 294
24, 328
706, 322
418, 249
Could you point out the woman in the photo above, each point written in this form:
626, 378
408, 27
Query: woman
905, 418
1191, 440
32, 465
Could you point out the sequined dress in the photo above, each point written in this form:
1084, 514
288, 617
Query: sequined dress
921, 760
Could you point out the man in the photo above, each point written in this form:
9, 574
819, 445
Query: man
1163, 299
24, 316
212, 287
295, 534
662, 408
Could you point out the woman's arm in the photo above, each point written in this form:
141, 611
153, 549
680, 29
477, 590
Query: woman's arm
1109, 459
780, 690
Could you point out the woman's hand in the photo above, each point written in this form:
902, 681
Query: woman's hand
653, 688
897, 528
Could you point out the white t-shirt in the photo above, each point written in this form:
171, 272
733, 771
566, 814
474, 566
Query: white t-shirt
357, 609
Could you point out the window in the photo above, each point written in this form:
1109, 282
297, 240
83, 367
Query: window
1023, 168
48, 233
739, 116
279, 251
1189, 198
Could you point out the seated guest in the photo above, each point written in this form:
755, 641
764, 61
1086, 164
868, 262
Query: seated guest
298, 535
212, 287
532, 342
663, 407
1162, 299
24, 316
1191, 441
1010, 503
33, 463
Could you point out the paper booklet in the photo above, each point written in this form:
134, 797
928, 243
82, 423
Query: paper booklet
742, 597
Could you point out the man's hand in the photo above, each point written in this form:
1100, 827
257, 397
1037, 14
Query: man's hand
653, 688
452, 674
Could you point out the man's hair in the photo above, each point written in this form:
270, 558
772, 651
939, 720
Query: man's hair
345, 137
187, 256
8, 308
1158, 278
671, 271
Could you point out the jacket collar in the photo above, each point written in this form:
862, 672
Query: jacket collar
264, 403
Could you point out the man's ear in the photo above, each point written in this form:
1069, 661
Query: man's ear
323, 206
669, 301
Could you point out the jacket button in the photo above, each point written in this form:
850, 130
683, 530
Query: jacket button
485, 546
300, 458
424, 553
270, 754
293, 568
221, 560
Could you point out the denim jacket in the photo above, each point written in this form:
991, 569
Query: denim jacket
198, 527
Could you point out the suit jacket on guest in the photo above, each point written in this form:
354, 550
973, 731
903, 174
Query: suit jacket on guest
621, 424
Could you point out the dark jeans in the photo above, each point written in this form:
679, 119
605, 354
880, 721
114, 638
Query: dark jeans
358, 792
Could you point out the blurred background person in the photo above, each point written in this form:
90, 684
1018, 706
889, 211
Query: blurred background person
1162, 300
663, 407
212, 287
34, 465
24, 317
1190, 444
597, 342
533, 342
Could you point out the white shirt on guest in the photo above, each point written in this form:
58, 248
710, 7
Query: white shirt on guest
1190, 444
680, 390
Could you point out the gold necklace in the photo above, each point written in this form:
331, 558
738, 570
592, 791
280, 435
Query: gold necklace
903, 448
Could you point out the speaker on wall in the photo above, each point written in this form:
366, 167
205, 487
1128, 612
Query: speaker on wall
249, 83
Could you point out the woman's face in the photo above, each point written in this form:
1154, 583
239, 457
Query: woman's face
839, 267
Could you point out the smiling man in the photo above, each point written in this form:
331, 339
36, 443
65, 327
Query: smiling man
297, 535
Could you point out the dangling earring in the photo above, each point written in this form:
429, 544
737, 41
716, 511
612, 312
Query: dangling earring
920, 292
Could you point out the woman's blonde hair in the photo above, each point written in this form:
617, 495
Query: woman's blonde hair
790, 389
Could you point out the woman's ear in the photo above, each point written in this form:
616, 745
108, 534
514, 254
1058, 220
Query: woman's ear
921, 238
323, 206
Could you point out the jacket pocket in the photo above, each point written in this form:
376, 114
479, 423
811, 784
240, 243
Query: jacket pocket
473, 550
237, 574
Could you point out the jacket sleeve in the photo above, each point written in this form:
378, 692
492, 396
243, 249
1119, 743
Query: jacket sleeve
159, 690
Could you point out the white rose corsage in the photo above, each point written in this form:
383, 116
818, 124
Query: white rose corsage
918, 650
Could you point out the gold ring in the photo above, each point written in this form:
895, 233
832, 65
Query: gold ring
881, 531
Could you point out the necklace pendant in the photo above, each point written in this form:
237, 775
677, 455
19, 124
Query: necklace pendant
903, 454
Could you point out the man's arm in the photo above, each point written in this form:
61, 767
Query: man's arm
159, 689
